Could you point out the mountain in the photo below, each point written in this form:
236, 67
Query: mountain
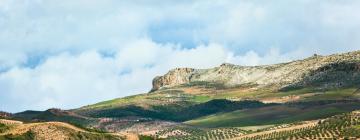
322, 71
316, 87
232, 102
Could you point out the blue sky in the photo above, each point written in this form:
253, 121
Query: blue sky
67, 54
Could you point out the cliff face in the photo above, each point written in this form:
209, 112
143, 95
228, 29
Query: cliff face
174, 77
333, 70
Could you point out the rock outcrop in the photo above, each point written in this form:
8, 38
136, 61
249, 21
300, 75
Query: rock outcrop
336, 70
174, 77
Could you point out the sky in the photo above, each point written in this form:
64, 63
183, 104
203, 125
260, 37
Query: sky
71, 53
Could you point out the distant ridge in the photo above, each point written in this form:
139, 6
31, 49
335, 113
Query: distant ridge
5, 114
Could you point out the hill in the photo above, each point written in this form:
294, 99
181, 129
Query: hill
228, 102
53, 115
4, 114
55, 130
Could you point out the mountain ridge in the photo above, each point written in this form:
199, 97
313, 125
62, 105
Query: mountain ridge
277, 76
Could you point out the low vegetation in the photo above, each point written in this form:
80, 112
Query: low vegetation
53, 130
178, 112
25, 136
277, 114
344, 126
3, 128
188, 133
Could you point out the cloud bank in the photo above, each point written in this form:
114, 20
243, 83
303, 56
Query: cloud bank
68, 54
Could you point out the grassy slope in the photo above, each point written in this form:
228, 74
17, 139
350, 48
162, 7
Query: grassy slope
178, 113
172, 102
180, 94
54, 115
273, 115
165, 102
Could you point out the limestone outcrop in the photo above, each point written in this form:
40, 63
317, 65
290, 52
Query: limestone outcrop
336, 70
174, 77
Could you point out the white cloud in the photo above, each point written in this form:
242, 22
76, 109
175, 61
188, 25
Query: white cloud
72, 80
145, 39
62, 81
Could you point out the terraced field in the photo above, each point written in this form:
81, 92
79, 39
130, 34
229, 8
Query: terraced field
344, 126
188, 133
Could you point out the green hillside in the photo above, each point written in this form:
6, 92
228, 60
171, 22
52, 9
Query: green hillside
278, 114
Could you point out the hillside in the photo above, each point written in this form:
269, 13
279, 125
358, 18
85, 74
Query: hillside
343, 126
55, 130
4, 114
53, 115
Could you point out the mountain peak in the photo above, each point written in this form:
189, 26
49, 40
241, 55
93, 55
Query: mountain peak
173, 77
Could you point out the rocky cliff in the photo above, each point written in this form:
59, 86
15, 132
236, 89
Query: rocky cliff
173, 77
322, 71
